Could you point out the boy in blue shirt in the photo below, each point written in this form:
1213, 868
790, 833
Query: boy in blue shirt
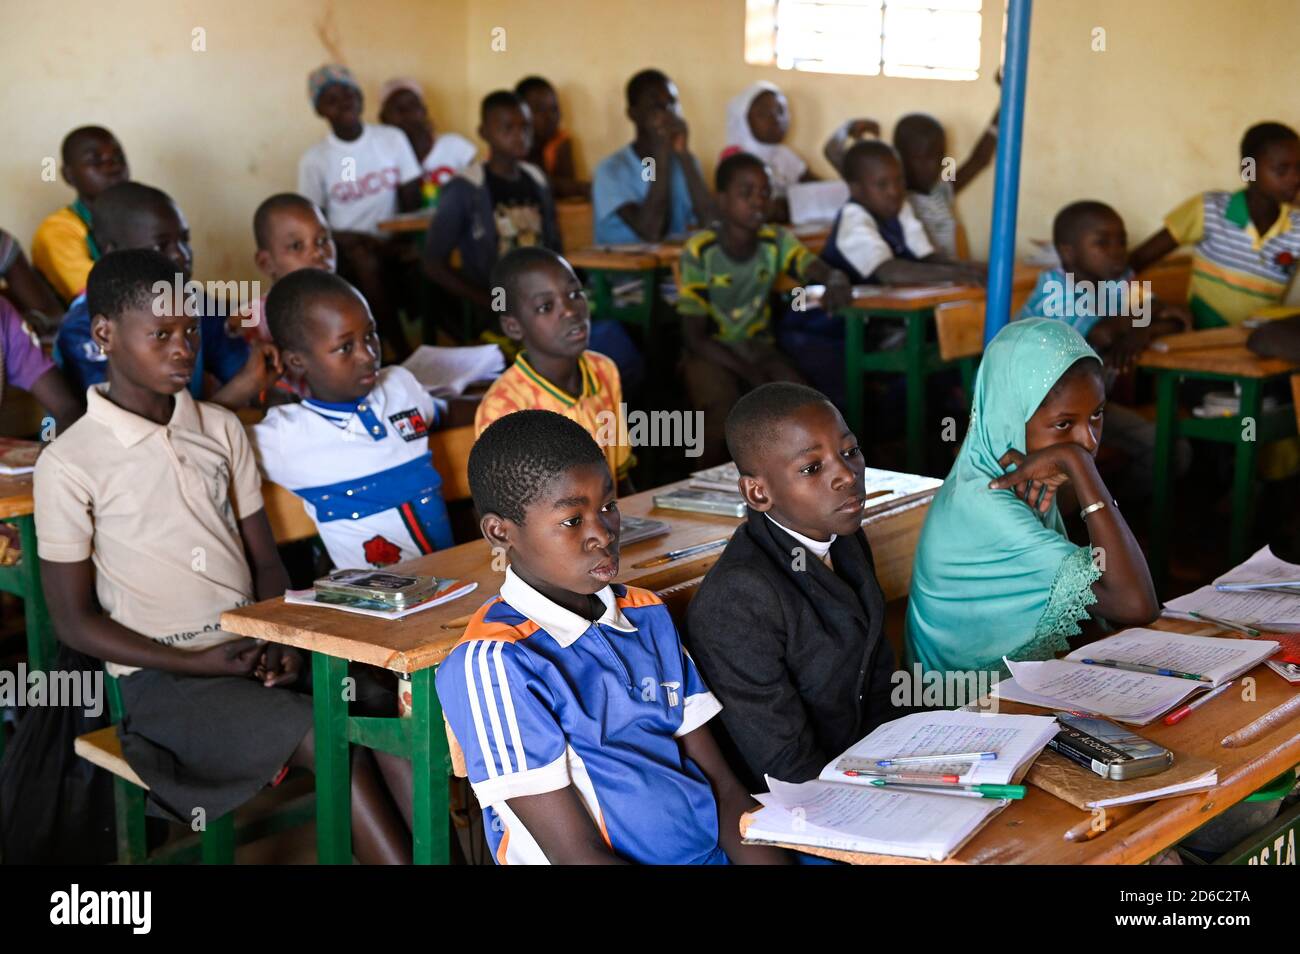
131, 215
564, 662
652, 188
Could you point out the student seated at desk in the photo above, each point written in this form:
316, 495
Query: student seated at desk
1105, 307
727, 276
441, 155
491, 207
131, 215
995, 574
628, 205
360, 174
62, 248
545, 311
581, 717
291, 233
1247, 242
125, 500
787, 626
29, 293
23, 365
923, 147
552, 148
356, 451
876, 237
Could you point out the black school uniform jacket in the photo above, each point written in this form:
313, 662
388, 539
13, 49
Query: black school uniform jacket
798, 657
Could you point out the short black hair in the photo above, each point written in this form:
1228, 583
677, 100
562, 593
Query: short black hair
117, 204
518, 456
752, 424
1260, 136
642, 81
73, 140
530, 83
506, 272
864, 152
733, 164
124, 280
1075, 218
498, 99
915, 128
291, 297
276, 203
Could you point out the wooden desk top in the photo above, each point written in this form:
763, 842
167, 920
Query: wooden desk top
876, 298
16, 496
1031, 831
424, 639
417, 221
642, 256
1234, 360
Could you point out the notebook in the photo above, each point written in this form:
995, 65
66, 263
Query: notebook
445, 372
871, 820
1137, 698
18, 457
635, 529
447, 591
1016, 739
1263, 609
901, 488
702, 501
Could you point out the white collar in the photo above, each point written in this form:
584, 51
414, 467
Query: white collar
564, 626
819, 547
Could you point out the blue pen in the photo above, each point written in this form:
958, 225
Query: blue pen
955, 757
1143, 667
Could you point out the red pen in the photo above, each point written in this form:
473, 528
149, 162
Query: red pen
1181, 713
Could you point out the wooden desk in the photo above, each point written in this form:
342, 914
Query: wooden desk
1031, 831
407, 222
23, 579
1231, 364
414, 646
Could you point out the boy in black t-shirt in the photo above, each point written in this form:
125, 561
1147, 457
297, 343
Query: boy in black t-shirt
491, 207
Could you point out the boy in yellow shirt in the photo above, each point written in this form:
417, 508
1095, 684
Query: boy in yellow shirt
63, 249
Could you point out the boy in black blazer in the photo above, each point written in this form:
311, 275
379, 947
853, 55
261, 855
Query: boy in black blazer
787, 626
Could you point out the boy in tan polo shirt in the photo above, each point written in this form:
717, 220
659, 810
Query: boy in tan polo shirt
147, 506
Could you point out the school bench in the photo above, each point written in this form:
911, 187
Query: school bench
1253, 742
413, 647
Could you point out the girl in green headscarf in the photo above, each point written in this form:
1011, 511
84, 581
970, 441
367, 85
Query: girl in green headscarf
995, 575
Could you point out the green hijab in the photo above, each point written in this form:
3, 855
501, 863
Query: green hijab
994, 577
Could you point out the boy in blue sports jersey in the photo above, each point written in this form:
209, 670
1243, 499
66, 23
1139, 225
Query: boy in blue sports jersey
581, 717
357, 450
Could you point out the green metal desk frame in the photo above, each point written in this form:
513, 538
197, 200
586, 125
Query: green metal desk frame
916, 361
1275, 425
23, 579
420, 737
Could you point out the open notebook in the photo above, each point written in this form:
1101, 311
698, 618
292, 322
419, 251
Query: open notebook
842, 812
1137, 698
1275, 609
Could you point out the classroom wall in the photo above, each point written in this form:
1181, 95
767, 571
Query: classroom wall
1149, 121
219, 130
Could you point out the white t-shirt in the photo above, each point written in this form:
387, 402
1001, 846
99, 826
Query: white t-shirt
450, 151
363, 470
860, 242
355, 183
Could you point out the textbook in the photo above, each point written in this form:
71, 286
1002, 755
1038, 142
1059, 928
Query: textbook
447, 372
702, 501
1137, 698
446, 591
899, 488
18, 457
635, 529
855, 818
1016, 739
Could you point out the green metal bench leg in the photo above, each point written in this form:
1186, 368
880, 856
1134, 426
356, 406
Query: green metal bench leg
218, 841
1243, 479
41, 644
914, 351
430, 764
333, 769
854, 332
128, 808
1166, 423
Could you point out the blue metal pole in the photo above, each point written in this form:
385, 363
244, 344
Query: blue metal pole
1006, 186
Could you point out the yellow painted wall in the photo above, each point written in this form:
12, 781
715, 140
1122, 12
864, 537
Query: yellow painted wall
1152, 119
219, 130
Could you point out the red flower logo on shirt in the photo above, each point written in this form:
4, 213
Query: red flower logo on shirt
381, 552
1284, 260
